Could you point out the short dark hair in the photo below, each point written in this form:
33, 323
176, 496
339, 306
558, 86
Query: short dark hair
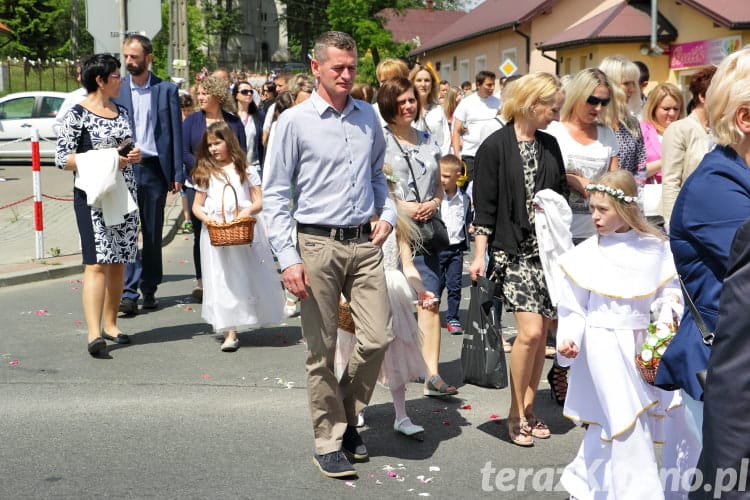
483, 75
97, 65
700, 81
336, 39
388, 97
465, 83
645, 75
143, 40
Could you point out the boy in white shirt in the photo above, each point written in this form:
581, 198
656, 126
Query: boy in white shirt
454, 210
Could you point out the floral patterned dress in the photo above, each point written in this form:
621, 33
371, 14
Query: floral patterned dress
83, 131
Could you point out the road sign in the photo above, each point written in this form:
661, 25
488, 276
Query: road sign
103, 21
508, 67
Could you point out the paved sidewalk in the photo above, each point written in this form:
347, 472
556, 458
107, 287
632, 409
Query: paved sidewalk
18, 265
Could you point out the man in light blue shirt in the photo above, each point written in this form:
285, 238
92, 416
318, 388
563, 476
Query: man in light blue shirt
330, 149
156, 121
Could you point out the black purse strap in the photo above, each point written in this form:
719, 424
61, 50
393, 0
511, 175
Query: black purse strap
708, 336
408, 163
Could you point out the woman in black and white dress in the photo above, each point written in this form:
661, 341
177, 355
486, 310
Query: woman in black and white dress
97, 124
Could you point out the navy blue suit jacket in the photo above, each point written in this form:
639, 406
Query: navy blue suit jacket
165, 105
711, 206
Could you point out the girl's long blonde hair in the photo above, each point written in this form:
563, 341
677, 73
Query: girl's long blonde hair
630, 212
205, 164
406, 229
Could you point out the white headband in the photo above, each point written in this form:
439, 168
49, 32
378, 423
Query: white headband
615, 193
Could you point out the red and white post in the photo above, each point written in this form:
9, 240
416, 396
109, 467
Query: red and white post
37, 182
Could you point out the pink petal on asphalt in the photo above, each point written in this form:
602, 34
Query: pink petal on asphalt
13, 362
392, 474
466, 407
350, 484
436, 410
494, 416
446, 422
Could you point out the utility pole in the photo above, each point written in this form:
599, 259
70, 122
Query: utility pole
178, 40
74, 29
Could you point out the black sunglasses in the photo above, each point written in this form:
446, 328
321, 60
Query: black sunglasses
593, 100
246, 91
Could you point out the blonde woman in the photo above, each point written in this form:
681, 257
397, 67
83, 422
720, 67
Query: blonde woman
663, 107
623, 76
588, 146
431, 117
712, 204
513, 164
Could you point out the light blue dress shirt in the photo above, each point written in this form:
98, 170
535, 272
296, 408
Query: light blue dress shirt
145, 123
334, 161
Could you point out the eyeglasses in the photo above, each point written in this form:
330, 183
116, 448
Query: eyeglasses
246, 91
593, 100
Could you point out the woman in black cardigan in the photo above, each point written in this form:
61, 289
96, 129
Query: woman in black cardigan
512, 165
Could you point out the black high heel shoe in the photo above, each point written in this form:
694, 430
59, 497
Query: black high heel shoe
96, 346
558, 383
121, 338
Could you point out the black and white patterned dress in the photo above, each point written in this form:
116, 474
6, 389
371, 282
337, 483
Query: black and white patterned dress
521, 276
83, 131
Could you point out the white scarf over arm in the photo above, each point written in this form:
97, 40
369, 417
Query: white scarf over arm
98, 174
552, 225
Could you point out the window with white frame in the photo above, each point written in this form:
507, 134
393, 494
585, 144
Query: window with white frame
445, 72
511, 54
480, 64
463, 71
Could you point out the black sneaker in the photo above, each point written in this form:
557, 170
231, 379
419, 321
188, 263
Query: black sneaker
334, 464
149, 301
353, 444
128, 307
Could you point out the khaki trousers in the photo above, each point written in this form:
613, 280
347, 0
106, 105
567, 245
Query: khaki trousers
354, 268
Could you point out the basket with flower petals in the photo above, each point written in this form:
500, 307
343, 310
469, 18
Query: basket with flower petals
655, 345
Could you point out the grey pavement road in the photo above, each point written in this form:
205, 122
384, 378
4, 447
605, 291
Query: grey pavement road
170, 416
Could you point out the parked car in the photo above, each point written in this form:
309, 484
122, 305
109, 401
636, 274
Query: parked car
22, 112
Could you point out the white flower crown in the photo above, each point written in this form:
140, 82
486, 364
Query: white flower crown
615, 193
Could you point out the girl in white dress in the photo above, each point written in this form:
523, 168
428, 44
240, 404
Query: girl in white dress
240, 284
612, 280
403, 360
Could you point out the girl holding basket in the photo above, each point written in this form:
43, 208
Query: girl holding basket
240, 284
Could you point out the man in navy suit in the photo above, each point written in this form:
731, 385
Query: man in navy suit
154, 109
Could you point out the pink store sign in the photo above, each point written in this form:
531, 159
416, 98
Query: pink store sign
703, 52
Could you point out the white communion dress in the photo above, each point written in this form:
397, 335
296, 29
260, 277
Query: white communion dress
610, 283
403, 361
241, 286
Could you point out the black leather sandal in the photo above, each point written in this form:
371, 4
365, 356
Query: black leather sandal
558, 383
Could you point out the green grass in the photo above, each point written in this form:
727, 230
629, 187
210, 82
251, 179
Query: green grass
60, 77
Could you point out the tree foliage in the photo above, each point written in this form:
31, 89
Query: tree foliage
224, 20
305, 21
197, 38
360, 19
42, 28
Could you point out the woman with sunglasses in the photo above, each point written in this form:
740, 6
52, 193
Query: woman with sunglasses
247, 109
589, 149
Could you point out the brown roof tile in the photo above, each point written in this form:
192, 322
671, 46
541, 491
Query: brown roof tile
620, 23
489, 17
732, 14
422, 23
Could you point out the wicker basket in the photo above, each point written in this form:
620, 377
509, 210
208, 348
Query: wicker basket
346, 322
648, 373
239, 231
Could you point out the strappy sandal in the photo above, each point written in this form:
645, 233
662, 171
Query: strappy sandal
558, 383
436, 387
520, 432
539, 429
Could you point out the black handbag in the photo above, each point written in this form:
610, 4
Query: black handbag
433, 232
482, 354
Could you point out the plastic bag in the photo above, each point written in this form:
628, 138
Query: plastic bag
482, 355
